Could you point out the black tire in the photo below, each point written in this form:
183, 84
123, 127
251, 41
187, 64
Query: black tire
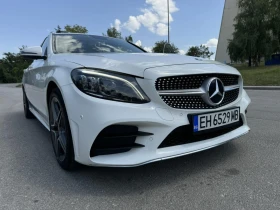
60, 131
27, 113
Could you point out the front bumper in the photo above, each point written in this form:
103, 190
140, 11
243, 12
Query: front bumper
88, 116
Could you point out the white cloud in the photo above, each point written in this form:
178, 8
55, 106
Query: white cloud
148, 49
160, 8
212, 43
148, 19
182, 52
117, 24
161, 29
132, 24
154, 17
138, 43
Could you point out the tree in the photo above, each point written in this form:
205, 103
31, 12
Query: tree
236, 51
204, 52
275, 23
193, 51
252, 36
129, 38
76, 29
58, 29
201, 51
12, 66
164, 47
113, 32
72, 29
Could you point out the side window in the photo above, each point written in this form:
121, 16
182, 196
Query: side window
44, 46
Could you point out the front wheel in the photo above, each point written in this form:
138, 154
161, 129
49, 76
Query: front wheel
60, 131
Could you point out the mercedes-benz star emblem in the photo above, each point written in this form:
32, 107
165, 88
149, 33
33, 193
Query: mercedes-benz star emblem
215, 91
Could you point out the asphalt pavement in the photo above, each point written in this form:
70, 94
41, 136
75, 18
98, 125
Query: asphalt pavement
243, 174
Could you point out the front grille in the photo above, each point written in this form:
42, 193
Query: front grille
185, 135
196, 102
192, 81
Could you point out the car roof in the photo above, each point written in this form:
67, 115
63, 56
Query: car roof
70, 33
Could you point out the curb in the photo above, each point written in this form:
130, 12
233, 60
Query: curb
262, 87
9, 84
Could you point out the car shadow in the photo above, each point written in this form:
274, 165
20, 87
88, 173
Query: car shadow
35, 164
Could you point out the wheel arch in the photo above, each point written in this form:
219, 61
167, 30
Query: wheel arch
53, 85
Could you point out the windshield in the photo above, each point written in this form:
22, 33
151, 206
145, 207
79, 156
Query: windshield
82, 43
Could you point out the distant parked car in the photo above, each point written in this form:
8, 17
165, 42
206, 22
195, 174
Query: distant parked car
107, 102
275, 60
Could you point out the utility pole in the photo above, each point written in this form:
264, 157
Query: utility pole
168, 22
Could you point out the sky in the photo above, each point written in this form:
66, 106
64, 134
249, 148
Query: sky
193, 22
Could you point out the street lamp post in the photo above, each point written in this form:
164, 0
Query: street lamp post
168, 21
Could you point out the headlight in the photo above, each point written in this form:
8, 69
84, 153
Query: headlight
110, 86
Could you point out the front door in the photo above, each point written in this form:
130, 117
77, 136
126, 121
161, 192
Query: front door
38, 82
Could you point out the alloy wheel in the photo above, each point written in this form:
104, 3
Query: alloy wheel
58, 129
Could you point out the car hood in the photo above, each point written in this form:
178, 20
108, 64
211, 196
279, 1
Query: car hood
131, 63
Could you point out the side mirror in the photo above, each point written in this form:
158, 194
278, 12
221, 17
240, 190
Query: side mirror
33, 53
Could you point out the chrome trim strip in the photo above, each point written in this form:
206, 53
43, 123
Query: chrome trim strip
198, 92
233, 87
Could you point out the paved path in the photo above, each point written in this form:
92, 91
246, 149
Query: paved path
243, 174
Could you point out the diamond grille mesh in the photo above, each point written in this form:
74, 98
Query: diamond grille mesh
194, 82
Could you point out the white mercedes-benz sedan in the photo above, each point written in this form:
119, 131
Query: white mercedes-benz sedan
106, 102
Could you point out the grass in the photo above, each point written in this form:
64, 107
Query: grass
260, 76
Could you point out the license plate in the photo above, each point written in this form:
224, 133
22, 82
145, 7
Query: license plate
215, 120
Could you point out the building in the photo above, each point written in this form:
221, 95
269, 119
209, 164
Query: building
226, 31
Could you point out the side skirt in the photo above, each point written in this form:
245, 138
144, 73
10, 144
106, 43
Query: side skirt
38, 116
